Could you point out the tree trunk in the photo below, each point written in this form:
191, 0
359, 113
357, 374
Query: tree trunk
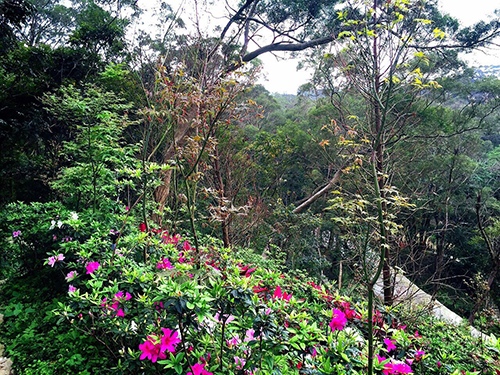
224, 215
313, 198
162, 192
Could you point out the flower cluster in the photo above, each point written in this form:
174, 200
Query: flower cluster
117, 299
198, 369
92, 266
278, 295
394, 367
155, 346
164, 264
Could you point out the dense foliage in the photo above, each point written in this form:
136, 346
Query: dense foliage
161, 213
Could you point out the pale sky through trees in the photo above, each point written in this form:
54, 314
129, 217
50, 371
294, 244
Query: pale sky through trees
281, 76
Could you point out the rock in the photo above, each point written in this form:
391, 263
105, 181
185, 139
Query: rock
5, 366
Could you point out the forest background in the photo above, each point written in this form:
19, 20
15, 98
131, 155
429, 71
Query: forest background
387, 160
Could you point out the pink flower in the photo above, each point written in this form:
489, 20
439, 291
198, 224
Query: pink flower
396, 368
71, 275
119, 296
338, 320
401, 368
16, 233
169, 341
54, 259
151, 349
439, 364
388, 369
277, 294
235, 341
224, 318
120, 313
164, 264
127, 208
92, 266
198, 369
249, 335
240, 362
380, 359
390, 344
419, 354
72, 289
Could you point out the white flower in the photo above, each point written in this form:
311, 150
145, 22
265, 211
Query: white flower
73, 216
133, 326
59, 224
52, 224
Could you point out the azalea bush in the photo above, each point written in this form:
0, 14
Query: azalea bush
156, 304
147, 301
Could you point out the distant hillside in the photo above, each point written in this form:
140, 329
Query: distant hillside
488, 70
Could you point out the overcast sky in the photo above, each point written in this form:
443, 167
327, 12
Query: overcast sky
283, 77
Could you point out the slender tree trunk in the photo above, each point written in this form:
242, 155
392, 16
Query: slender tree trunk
224, 215
379, 155
313, 198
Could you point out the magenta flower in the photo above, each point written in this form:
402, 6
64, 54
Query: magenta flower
401, 368
119, 296
71, 275
120, 313
71, 289
277, 294
170, 340
92, 266
164, 264
338, 320
151, 349
396, 368
16, 233
198, 369
390, 344
419, 354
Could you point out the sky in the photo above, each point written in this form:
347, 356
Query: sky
282, 76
